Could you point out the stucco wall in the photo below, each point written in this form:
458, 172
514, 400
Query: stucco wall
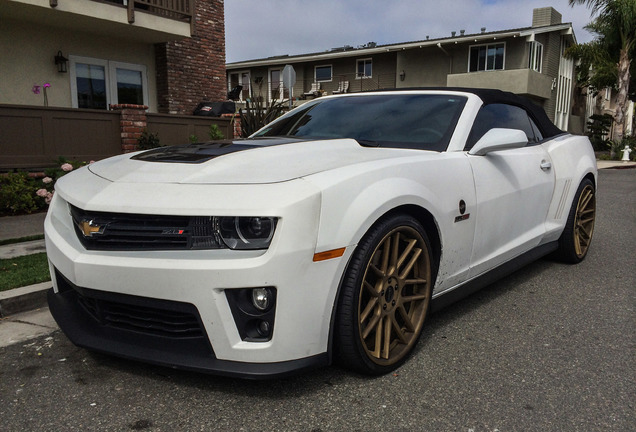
27, 57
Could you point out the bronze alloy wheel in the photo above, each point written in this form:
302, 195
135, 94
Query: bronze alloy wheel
394, 296
584, 220
575, 240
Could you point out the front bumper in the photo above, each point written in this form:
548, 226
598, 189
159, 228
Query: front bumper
196, 281
194, 352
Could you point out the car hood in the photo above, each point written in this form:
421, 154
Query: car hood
269, 160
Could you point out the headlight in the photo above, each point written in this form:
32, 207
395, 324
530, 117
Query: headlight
247, 232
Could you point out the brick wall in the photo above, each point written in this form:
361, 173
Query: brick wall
192, 70
132, 122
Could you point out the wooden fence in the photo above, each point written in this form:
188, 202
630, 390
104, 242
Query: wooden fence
33, 137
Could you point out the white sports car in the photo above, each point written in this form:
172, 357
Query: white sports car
329, 234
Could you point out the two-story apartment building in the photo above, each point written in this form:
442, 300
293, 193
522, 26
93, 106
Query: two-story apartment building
168, 55
527, 61
82, 79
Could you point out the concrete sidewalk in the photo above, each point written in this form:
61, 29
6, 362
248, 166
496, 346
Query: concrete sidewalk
31, 297
14, 227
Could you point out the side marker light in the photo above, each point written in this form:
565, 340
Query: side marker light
334, 253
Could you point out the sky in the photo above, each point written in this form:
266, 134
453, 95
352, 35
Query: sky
263, 28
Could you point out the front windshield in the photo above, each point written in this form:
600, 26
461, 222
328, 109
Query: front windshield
419, 121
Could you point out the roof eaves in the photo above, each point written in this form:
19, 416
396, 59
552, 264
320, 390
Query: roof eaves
359, 52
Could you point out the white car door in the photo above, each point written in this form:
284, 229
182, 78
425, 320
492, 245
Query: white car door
513, 190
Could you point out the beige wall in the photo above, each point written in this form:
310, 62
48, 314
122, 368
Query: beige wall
26, 58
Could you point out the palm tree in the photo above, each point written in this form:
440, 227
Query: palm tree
611, 52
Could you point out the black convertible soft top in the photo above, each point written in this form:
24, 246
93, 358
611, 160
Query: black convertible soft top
492, 96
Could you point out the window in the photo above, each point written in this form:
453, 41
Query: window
240, 79
535, 56
96, 83
277, 91
502, 116
90, 81
486, 57
322, 73
364, 68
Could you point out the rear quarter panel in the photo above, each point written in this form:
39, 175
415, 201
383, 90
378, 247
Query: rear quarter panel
572, 160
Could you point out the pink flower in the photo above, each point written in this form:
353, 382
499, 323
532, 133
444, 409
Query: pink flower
36, 89
91, 162
46, 85
47, 180
42, 193
67, 167
48, 198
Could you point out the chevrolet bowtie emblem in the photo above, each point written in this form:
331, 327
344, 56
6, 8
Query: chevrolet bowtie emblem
88, 228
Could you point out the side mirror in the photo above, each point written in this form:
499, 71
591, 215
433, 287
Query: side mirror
499, 139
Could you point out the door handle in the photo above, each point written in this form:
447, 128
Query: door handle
545, 165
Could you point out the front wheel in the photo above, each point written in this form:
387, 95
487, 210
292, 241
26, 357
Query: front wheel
385, 296
577, 235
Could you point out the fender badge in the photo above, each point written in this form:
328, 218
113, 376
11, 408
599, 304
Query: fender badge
88, 228
462, 217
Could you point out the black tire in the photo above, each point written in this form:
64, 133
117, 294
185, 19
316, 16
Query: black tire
579, 228
385, 296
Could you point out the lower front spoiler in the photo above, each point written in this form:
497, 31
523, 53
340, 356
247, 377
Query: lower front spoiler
194, 354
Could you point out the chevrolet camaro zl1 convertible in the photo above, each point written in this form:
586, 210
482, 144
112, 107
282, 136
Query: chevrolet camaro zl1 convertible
329, 234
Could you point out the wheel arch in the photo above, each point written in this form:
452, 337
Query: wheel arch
431, 228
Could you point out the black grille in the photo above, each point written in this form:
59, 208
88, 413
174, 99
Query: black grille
142, 319
139, 314
125, 231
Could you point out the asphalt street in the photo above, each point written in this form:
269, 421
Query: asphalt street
549, 348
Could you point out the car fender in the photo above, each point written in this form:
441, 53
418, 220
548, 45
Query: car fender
350, 207
569, 172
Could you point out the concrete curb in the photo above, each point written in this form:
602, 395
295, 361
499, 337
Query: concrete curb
23, 299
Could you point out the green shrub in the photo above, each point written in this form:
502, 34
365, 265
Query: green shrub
598, 127
148, 140
215, 133
257, 113
17, 194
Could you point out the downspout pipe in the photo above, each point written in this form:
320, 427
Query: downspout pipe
450, 62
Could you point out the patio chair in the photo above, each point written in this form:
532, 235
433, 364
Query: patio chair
343, 87
315, 89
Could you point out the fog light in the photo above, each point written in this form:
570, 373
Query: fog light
263, 328
261, 298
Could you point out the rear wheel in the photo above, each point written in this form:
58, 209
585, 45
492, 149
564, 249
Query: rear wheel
385, 296
577, 235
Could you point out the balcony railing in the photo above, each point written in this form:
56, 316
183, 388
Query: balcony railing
173, 9
180, 10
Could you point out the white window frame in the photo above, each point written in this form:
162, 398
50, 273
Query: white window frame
535, 56
271, 89
73, 60
470, 49
110, 77
240, 81
364, 60
323, 66
112, 70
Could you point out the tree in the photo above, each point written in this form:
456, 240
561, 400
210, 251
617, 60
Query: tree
611, 52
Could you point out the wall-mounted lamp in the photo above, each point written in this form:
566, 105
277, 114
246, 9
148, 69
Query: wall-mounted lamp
61, 62
402, 75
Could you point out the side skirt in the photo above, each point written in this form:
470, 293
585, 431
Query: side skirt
492, 276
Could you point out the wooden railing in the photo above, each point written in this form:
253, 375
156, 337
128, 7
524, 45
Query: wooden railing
173, 9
